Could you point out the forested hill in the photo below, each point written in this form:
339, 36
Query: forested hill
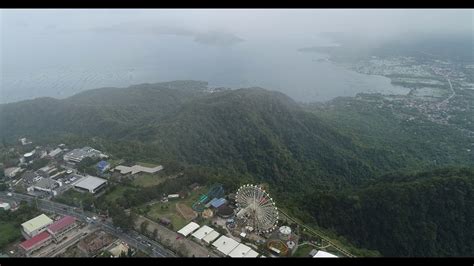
266, 134
329, 161
253, 130
256, 131
104, 112
425, 214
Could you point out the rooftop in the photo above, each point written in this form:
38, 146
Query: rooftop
188, 229
61, 224
324, 254
90, 183
55, 152
210, 237
11, 170
79, 154
117, 250
28, 244
225, 244
239, 251
36, 223
251, 254
137, 169
216, 203
202, 232
47, 183
102, 164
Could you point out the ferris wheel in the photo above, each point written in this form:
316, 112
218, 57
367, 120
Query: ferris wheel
256, 208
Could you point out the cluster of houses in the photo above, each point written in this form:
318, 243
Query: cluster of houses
60, 174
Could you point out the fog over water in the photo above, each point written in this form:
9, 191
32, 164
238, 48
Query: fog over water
58, 53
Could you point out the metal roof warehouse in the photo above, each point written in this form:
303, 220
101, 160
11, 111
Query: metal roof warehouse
239, 251
35, 225
225, 244
91, 184
211, 237
188, 229
202, 232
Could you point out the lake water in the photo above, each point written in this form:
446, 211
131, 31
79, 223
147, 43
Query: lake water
45, 65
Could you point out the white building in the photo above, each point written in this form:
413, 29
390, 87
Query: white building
202, 232
137, 169
25, 141
46, 185
188, 229
55, 152
210, 237
36, 225
12, 171
239, 251
5, 206
225, 245
324, 254
77, 155
251, 254
91, 184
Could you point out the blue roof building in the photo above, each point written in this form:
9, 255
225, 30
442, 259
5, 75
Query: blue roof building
216, 203
102, 166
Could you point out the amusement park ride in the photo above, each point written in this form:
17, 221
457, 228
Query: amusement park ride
256, 209
216, 191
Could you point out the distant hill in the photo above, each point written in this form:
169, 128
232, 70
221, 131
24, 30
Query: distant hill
105, 112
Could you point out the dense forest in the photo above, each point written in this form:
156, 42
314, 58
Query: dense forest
341, 165
425, 214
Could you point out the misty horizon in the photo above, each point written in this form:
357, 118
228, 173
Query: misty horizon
58, 53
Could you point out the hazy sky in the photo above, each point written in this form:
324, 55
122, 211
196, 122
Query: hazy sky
247, 23
51, 51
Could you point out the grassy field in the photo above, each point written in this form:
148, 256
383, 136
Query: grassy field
303, 250
148, 180
8, 233
169, 211
73, 197
116, 193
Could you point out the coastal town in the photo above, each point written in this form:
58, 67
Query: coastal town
440, 91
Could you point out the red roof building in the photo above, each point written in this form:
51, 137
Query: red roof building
59, 228
61, 224
36, 241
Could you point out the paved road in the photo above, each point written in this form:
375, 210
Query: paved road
143, 243
453, 93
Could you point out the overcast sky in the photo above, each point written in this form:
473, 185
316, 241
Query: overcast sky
248, 23
58, 52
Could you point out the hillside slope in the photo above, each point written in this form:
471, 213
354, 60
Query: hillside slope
104, 112
425, 214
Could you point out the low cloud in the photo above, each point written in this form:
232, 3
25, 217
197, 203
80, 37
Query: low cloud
217, 38
214, 38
